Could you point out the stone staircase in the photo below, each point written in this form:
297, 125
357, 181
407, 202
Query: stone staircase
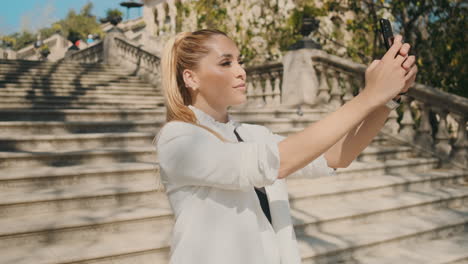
79, 180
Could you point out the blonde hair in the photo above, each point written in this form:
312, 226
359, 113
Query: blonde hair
184, 51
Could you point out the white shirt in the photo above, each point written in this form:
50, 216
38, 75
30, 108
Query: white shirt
210, 185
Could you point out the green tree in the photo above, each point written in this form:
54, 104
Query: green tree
434, 28
83, 23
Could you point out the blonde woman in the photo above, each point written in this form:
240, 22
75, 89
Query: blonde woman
225, 179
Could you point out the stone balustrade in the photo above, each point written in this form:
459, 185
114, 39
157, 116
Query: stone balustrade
141, 62
92, 54
431, 119
264, 85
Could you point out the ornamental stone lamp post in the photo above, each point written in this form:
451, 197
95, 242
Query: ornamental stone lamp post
300, 84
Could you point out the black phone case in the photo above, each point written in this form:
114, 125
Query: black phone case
386, 32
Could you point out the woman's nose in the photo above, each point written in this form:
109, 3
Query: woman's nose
240, 72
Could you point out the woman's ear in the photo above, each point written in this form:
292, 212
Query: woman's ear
190, 79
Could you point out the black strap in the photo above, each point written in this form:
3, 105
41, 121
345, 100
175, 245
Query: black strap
261, 193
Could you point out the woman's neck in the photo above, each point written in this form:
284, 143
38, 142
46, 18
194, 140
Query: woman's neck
219, 115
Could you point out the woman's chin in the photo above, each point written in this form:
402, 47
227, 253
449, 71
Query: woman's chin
240, 101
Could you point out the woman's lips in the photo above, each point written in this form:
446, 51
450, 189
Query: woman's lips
240, 87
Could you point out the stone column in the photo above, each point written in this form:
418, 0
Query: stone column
300, 83
111, 55
148, 16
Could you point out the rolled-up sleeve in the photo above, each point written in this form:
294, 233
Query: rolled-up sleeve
316, 168
190, 155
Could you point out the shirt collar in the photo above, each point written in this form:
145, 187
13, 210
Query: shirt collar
206, 119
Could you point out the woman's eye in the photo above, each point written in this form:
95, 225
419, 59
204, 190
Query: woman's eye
227, 63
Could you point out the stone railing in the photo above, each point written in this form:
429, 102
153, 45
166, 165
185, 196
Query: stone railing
428, 118
92, 54
142, 63
264, 85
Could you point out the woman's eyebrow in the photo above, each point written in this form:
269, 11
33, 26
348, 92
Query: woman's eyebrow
229, 56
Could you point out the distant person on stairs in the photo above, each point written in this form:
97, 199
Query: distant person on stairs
225, 179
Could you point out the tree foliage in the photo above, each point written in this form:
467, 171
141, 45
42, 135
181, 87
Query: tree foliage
82, 23
434, 28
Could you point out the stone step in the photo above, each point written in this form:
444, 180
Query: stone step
104, 86
49, 127
115, 240
78, 92
74, 142
333, 212
37, 72
57, 185
73, 82
92, 217
359, 169
80, 98
452, 249
379, 140
77, 73
67, 78
58, 127
24, 65
376, 152
91, 187
278, 123
9, 160
78, 217
350, 184
82, 115
63, 104
339, 242
278, 112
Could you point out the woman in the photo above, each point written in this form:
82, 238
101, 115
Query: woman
224, 179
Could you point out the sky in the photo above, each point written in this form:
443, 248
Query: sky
35, 14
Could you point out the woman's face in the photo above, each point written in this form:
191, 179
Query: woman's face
219, 73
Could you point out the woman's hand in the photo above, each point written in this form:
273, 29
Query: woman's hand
391, 75
410, 66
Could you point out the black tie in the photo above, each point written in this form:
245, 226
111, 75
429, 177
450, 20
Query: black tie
261, 193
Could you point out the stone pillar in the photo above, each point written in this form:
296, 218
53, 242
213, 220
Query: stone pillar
7, 54
300, 83
111, 55
148, 16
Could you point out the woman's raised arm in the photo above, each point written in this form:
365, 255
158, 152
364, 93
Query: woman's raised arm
384, 80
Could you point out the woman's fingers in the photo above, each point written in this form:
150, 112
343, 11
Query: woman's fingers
412, 72
405, 49
409, 62
394, 49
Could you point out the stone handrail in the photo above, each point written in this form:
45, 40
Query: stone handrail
430, 119
92, 54
264, 85
142, 63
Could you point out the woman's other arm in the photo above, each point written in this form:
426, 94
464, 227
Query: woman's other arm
384, 80
357, 139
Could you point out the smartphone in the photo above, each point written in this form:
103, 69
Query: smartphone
386, 32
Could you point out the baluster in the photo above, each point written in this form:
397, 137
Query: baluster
268, 89
335, 101
424, 131
407, 122
442, 137
258, 91
347, 82
391, 125
250, 92
276, 91
460, 152
324, 90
